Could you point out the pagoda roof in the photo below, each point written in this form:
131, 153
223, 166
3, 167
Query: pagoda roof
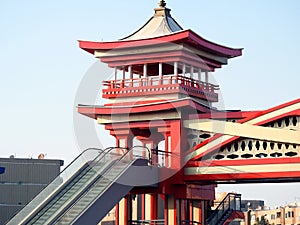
184, 36
160, 24
161, 28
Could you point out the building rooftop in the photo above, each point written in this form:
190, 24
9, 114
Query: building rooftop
160, 24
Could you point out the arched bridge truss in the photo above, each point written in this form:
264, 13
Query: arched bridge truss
258, 147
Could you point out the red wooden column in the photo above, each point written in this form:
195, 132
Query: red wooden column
176, 144
153, 207
123, 140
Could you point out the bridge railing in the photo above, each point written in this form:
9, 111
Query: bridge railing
232, 202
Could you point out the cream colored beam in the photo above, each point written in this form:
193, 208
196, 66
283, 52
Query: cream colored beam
245, 130
106, 119
261, 168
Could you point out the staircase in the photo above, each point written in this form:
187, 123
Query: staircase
87, 189
228, 210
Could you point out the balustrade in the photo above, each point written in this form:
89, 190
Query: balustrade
146, 83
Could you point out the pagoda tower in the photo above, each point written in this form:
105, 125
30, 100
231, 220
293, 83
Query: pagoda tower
161, 78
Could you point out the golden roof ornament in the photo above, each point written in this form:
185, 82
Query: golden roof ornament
162, 3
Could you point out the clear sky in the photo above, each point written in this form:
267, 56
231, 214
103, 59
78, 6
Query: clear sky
42, 66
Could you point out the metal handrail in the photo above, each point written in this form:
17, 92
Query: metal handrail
126, 152
232, 202
55, 185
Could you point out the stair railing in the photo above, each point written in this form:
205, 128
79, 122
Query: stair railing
232, 202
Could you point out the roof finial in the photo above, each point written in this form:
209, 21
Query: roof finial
162, 3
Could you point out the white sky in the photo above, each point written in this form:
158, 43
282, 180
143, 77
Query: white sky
42, 66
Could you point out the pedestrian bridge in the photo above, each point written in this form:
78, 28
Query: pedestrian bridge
261, 146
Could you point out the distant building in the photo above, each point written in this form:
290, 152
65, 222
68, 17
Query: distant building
22, 180
252, 205
287, 215
2, 170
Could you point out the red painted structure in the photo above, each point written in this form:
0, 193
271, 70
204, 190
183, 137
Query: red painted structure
164, 84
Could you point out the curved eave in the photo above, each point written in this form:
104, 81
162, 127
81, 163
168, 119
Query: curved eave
93, 110
185, 36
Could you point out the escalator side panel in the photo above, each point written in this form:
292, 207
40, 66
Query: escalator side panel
116, 191
103, 205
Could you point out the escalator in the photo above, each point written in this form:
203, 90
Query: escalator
86, 190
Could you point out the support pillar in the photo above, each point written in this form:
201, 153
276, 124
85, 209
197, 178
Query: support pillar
124, 139
199, 74
151, 204
116, 72
183, 69
170, 210
192, 72
154, 207
175, 68
130, 72
203, 217
196, 211
206, 80
160, 69
123, 212
145, 70
130, 75
175, 143
206, 76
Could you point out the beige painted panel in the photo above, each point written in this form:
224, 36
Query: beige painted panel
105, 119
147, 206
121, 212
196, 212
245, 130
133, 99
243, 169
135, 209
138, 50
171, 210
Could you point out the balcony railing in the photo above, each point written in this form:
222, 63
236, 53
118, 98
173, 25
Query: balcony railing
160, 85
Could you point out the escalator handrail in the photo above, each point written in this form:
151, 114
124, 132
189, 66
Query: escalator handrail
57, 218
59, 189
52, 188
